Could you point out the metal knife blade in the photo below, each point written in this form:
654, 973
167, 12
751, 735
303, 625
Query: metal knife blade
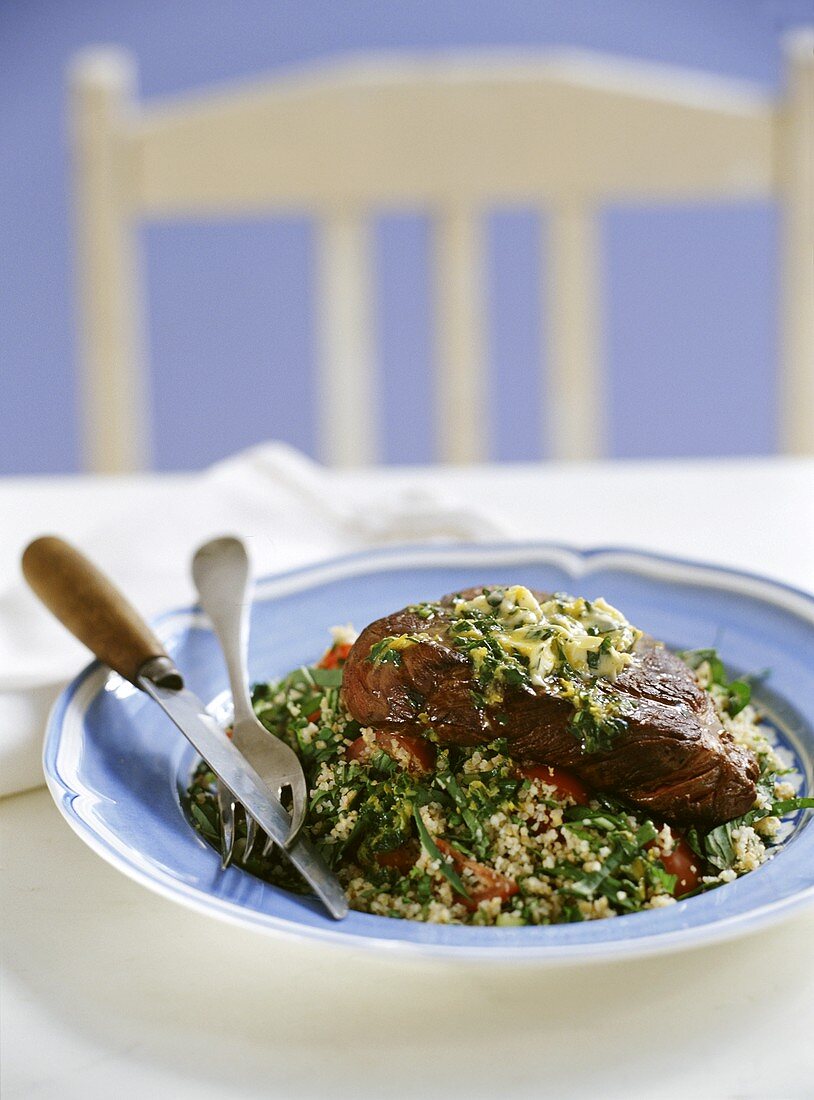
188, 713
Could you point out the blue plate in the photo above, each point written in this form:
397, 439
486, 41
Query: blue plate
116, 766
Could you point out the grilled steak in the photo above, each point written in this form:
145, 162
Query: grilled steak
672, 758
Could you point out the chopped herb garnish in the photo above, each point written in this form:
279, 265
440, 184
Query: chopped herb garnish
739, 691
446, 869
382, 653
740, 695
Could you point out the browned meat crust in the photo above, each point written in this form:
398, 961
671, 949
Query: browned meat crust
674, 758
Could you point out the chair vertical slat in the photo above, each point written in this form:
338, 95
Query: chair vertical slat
574, 416
347, 408
113, 383
796, 182
462, 424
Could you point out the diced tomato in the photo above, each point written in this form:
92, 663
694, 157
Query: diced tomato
399, 859
336, 656
358, 751
490, 883
563, 781
315, 715
413, 753
685, 865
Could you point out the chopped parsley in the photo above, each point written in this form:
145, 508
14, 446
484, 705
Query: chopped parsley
739, 691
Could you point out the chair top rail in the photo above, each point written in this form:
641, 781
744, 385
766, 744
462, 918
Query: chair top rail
442, 130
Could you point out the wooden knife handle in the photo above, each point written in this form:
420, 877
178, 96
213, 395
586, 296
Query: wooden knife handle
86, 602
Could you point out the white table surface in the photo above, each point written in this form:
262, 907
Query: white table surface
109, 990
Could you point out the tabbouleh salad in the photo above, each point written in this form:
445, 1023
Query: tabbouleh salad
463, 836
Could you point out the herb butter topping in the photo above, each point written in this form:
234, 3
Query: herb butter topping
590, 638
573, 647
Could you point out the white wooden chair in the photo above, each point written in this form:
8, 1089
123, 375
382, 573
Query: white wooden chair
454, 135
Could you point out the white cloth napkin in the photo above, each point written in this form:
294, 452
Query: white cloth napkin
289, 510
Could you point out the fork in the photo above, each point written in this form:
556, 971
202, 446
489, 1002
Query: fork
222, 575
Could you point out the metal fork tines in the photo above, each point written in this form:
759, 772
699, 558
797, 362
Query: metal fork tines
228, 806
222, 576
278, 766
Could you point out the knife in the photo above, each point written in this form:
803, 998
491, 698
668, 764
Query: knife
89, 605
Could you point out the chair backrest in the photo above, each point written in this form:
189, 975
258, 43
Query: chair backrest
455, 135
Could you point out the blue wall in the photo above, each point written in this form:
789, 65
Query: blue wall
691, 308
